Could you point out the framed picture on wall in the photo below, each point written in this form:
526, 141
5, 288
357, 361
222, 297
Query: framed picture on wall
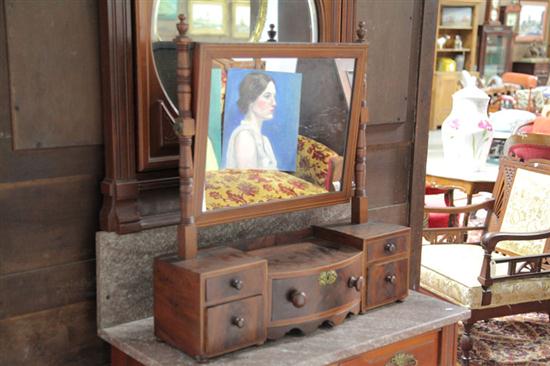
241, 19
456, 16
208, 17
532, 21
509, 16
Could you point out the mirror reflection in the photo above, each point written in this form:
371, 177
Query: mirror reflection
277, 129
226, 21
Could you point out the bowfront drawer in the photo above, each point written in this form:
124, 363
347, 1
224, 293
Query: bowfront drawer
421, 350
315, 293
383, 248
387, 282
234, 325
236, 285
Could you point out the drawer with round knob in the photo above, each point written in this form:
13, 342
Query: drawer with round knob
317, 292
235, 285
234, 325
387, 282
383, 248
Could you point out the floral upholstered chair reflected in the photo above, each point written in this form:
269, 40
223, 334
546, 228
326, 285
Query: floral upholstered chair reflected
508, 271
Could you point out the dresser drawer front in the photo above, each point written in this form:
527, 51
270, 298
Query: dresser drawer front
387, 282
387, 247
322, 291
421, 350
236, 285
234, 325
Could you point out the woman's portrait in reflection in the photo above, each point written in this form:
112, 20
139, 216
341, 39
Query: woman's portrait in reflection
259, 132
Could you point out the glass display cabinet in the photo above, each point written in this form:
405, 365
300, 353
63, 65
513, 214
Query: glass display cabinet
495, 50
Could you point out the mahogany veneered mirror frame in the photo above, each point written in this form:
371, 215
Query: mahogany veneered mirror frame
310, 61
141, 182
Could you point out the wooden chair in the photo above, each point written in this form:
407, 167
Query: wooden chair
526, 81
508, 273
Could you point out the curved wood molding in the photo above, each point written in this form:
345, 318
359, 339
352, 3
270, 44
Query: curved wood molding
157, 144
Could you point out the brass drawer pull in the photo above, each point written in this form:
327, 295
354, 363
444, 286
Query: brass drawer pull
356, 282
237, 283
390, 247
402, 359
391, 278
297, 298
238, 321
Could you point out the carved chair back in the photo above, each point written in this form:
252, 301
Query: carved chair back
522, 204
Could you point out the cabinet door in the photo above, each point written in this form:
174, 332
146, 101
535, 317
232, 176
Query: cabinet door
495, 54
444, 85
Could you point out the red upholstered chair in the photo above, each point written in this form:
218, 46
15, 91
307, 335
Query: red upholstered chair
436, 197
531, 141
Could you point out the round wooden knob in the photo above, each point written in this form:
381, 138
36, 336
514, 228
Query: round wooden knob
356, 282
238, 321
237, 283
391, 278
298, 298
390, 247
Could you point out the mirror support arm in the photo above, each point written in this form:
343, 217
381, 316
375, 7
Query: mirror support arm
359, 203
185, 129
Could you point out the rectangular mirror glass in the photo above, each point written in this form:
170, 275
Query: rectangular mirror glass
274, 131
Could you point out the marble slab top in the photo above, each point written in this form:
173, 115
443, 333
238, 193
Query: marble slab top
417, 314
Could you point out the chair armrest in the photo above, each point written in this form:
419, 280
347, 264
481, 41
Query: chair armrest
489, 242
487, 205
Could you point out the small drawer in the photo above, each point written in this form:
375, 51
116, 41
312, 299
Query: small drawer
393, 245
301, 296
387, 282
234, 325
236, 285
421, 350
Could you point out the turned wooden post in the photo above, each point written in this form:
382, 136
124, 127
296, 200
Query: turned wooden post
359, 202
185, 128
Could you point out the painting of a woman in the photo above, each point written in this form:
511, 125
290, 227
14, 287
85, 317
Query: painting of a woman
247, 147
260, 129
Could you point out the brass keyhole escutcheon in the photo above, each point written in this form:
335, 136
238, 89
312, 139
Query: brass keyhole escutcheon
402, 359
327, 277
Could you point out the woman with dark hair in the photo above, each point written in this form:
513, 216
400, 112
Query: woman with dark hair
247, 148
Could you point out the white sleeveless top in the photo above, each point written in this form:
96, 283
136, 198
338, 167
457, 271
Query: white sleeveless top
265, 158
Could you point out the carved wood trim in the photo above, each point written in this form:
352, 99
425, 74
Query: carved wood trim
119, 188
329, 16
157, 143
187, 231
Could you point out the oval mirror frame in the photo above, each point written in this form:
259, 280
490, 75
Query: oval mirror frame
157, 147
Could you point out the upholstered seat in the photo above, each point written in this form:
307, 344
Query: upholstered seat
508, 273
451, 271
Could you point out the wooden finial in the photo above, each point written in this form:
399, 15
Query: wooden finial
182, 26
361, 32
271, 33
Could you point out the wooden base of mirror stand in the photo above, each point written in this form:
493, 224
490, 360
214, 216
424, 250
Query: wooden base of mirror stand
226, 299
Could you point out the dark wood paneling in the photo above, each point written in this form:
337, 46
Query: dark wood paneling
64, 81
59, 336
48, 288
425, 22
388, 168
48, 163
393, 214
49, 221
389, 33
